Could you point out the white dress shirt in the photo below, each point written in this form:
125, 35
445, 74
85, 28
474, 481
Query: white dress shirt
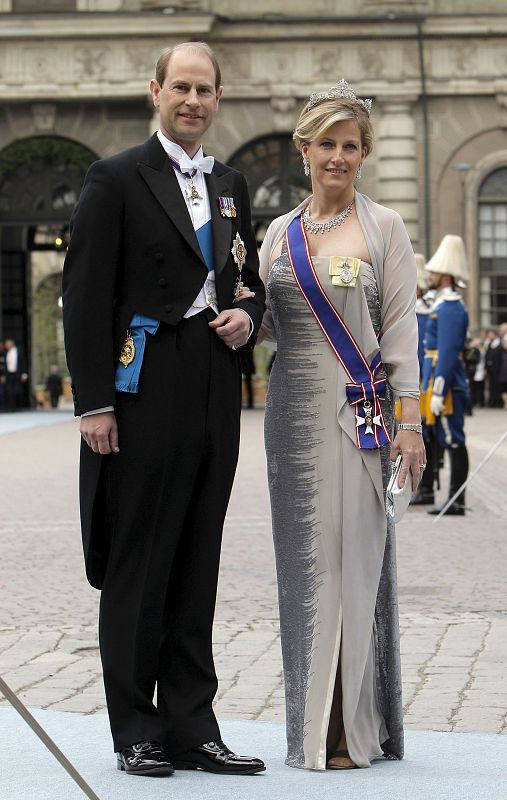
199, 214
11, 359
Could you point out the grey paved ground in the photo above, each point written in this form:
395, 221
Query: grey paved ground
451, 583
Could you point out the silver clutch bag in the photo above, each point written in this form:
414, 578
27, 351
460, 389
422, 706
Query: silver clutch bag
397, 498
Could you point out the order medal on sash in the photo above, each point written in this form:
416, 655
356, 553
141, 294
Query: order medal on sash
344, 270
128, 351
369, 420
239, 254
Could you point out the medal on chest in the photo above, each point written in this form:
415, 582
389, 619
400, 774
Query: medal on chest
344, 271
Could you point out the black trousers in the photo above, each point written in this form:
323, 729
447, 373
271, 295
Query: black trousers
13, 391
167, 493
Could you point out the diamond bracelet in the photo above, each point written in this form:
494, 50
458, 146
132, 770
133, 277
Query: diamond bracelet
410, 426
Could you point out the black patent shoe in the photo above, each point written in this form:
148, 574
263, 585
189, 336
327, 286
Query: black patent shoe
216, 757
454, 510
144, 758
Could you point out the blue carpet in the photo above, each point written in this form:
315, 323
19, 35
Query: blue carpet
23, 420
438, 766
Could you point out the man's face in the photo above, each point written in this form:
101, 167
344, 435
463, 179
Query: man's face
8, 344
187, 99
434, 280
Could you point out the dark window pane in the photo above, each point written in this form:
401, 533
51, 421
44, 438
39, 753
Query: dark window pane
274, 173
495, 184
40, 6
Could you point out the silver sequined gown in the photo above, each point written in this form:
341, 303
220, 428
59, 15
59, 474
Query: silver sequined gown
335, 561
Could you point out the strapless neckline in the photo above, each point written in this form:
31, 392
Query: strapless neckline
326, 258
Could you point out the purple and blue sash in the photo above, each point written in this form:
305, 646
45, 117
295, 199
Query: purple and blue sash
366, 388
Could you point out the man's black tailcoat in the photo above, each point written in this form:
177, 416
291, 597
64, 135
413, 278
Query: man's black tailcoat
152, 515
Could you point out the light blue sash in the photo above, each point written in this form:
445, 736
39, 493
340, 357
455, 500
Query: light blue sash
205, 238
127, 378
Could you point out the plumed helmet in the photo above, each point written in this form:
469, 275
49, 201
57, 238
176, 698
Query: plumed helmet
450, 258
422, 277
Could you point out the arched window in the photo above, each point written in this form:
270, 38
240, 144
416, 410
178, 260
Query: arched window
493, 248
40, 181
273, 169
40, 178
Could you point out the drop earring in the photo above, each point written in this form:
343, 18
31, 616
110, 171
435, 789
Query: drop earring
306, 166
359, 173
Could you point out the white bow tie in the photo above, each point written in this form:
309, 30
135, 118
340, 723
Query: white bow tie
204, 164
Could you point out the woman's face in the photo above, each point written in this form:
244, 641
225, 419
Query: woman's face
335, 156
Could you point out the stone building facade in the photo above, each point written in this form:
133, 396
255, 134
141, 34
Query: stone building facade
74, 80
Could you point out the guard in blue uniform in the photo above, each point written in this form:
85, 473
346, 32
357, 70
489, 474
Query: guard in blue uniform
424, 494
422, 307
445, 388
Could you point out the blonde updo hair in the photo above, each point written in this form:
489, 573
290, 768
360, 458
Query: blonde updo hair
314, 122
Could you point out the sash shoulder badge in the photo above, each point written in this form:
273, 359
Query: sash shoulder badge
128, 351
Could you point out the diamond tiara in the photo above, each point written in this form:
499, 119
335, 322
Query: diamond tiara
343, 89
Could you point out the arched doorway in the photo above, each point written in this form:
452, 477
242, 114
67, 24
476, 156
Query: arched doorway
493, 248
274, 173
40, 181
276, 183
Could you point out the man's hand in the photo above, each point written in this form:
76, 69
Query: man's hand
100, 432
233, 327
437, 404
243, 294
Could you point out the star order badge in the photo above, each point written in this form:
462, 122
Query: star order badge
239, 252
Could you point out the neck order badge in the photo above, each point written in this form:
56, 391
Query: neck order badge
188, 168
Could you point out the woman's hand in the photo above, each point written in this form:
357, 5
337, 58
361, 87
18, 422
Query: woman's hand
411, 445
243, 294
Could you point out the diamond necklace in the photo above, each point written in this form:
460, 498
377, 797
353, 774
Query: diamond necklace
324, 227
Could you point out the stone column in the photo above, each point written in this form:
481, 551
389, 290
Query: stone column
397, 173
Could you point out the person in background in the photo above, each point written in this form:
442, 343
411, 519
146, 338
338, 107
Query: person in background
500, 366
15, 376
444, 385
422, 305
2, 377
478, 379
247, 362
424, 493
494, 398
54, 386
